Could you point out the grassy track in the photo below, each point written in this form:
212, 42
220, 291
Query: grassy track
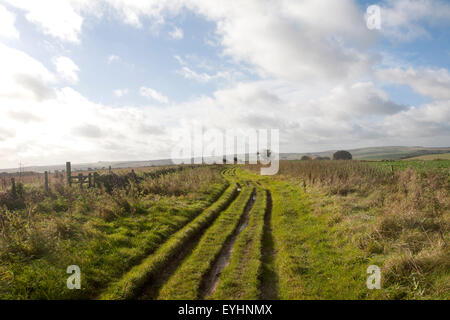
309, 232
287, 245
311, 261
129, 286
186, 282
241, 278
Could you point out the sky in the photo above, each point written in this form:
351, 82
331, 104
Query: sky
112, 80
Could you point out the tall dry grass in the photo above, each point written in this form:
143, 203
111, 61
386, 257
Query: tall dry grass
411, 217
107, 228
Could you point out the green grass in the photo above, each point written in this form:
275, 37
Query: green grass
311, 261
443, 156
186, 281
241, 278
349, 215
393, 153
105, 235
129, 285
329, 221
413, 164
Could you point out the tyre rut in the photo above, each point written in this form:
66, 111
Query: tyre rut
211, 279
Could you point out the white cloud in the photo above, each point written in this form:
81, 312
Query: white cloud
58, 19
92, 132
87, 131
406, 20
431, 82
7, 24
351, 116
132, 11
289, 43
202, 63
112, 58
62, 19
430, 121
23, 77
183, 63
266, 101
151, 93
292, 40
6, 134
120, 92
295, 41
203, 77
66, 68
101, 132
359, 100
177, 33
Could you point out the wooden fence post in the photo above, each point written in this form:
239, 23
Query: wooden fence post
109, 170
68, 174
95, 183
90, 180
13, 187
46, 181
80, 180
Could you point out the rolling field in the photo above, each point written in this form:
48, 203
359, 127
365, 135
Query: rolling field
442, 156
421, 165
225, 232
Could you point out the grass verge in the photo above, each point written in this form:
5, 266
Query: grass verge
104, 233
355, 214
311, 261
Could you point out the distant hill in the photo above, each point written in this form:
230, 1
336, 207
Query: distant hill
373, 153
94, 165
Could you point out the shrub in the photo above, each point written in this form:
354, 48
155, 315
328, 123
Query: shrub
10, 201
342, 155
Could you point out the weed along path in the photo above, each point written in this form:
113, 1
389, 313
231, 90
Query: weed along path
211, 279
